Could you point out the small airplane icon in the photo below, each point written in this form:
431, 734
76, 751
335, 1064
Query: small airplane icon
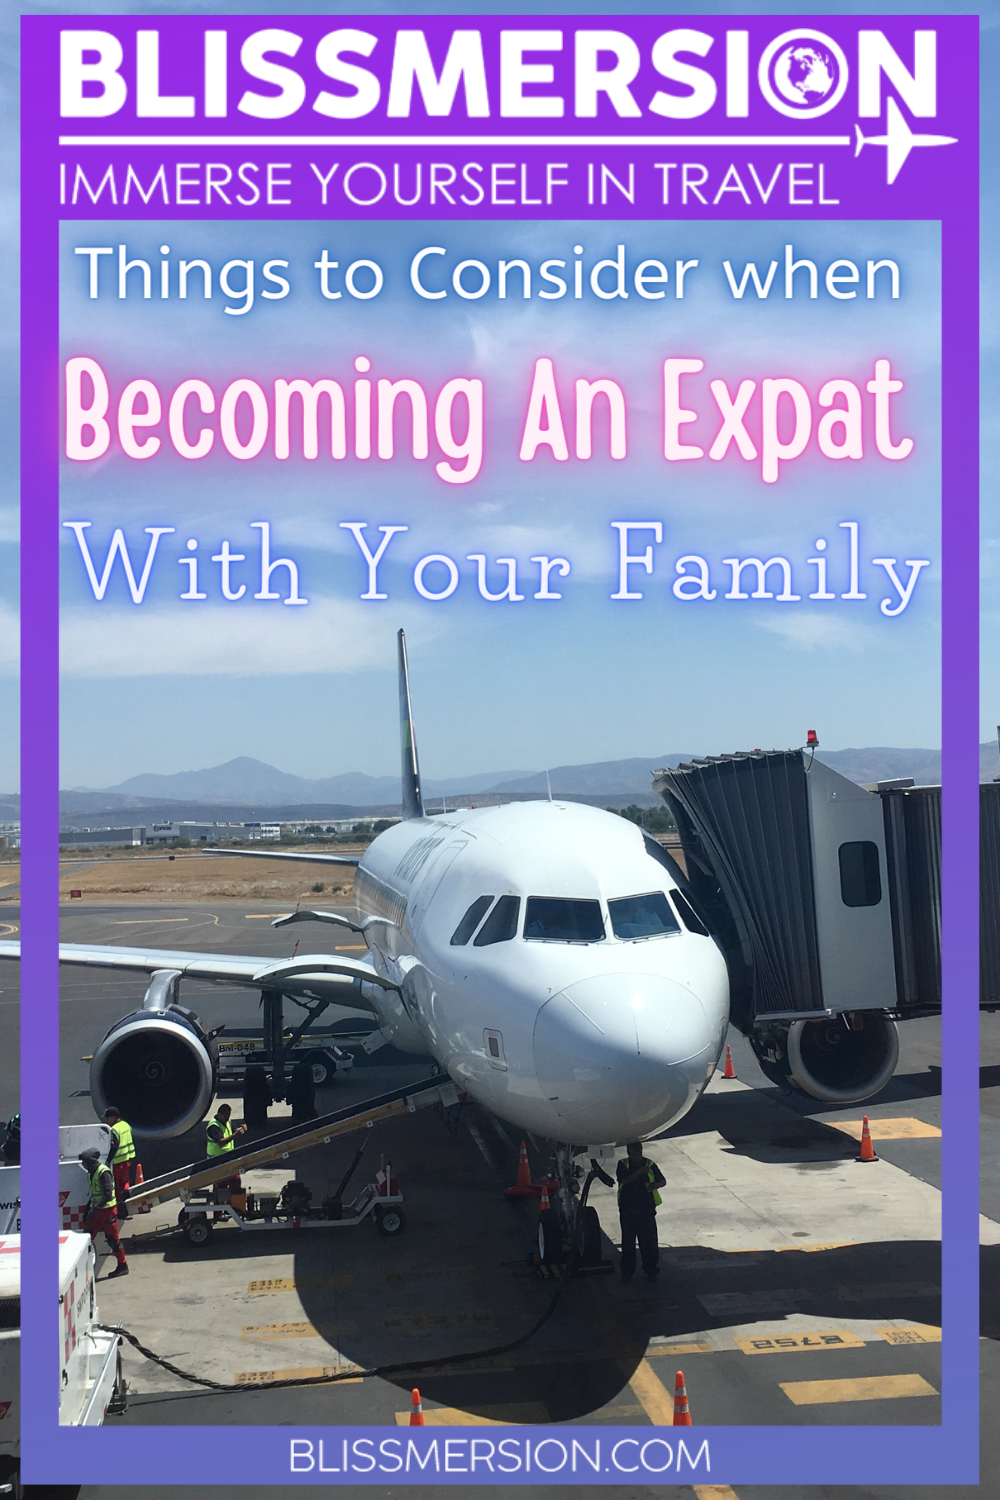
898, 140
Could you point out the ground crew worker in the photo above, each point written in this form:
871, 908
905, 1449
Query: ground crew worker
638, 1199
120, 1156
220, 1139
102, 1210
11, 1148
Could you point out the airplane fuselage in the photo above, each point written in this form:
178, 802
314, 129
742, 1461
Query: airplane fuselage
574, 1000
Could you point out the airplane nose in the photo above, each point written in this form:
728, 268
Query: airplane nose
621, 1055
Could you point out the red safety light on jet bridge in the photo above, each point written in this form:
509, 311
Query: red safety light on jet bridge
812, 740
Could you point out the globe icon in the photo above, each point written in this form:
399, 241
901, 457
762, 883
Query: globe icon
804, 74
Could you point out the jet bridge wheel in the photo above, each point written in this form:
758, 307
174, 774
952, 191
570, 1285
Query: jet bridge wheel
390, 1220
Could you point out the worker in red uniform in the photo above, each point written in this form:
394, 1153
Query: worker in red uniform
120, 1156
102, 1209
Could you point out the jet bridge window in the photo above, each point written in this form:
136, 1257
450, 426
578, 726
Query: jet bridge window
501, 924
860, 884
646, 916
550, 919
470, 921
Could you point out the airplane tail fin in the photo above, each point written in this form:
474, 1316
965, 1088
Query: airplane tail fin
413, 806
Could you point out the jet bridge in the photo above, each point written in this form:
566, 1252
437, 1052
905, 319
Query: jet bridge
826, 899
197, 1175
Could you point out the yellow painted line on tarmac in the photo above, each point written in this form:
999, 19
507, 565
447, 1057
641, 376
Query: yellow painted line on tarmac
656, 1402
888, 1130
714, 1492
511, 1414
864, 1388
916, 1333
290, 1330
8, 927
655, 1350
291, 1283
149, 921
260, 1377
807, 1343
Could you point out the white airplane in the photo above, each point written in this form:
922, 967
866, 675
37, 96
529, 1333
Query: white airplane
898, 140
544, 954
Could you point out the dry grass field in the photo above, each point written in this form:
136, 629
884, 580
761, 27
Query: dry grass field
199, 877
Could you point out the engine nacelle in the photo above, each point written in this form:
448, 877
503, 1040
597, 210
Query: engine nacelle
159, 1068
840, 1060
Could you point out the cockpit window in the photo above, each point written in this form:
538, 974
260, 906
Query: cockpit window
501, 924
689, 916
470, 921
550, 919
642, 916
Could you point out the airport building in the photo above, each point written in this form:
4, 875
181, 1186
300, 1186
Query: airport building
87, 838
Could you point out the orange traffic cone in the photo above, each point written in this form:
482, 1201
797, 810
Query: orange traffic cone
523, 1186
730, 1071
682, 1412
416, 1410
867, 1152
144, 1208
545, 1204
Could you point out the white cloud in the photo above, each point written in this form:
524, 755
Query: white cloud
326, 636
10, 523
9, 641
811, 630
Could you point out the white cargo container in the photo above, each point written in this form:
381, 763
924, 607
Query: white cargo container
89, 1358
10, 1362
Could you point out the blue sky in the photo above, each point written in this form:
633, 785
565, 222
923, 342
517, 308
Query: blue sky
531, 683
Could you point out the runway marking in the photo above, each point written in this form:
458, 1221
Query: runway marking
917, 1333
840, 1338
9, 927
432, 1273
511, 1414
259, 1377
864, 1388
657, 1349
888, 1130
291, 1284
714, 1492
419, 1321
654, 1399
291, 1330
886, 1289
149, 921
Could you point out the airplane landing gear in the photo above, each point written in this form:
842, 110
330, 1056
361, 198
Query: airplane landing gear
570, 1231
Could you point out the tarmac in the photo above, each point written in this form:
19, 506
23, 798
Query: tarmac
797, 1285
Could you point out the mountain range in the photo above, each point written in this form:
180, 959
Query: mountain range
253, 783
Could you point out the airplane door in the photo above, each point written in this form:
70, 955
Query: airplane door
432, 878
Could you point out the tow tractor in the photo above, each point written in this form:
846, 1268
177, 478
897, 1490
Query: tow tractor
210, 1194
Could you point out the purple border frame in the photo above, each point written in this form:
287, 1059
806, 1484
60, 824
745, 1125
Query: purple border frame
873, 1455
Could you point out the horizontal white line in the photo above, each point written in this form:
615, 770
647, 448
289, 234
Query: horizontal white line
556, 141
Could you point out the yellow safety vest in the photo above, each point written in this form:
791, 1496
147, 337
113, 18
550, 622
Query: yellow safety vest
219, 1148
657, 1200
97, 1188
124, 1144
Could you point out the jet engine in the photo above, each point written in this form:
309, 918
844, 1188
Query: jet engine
158, 1066
841, 1059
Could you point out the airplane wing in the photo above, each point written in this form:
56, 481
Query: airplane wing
315, 976
308, 859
